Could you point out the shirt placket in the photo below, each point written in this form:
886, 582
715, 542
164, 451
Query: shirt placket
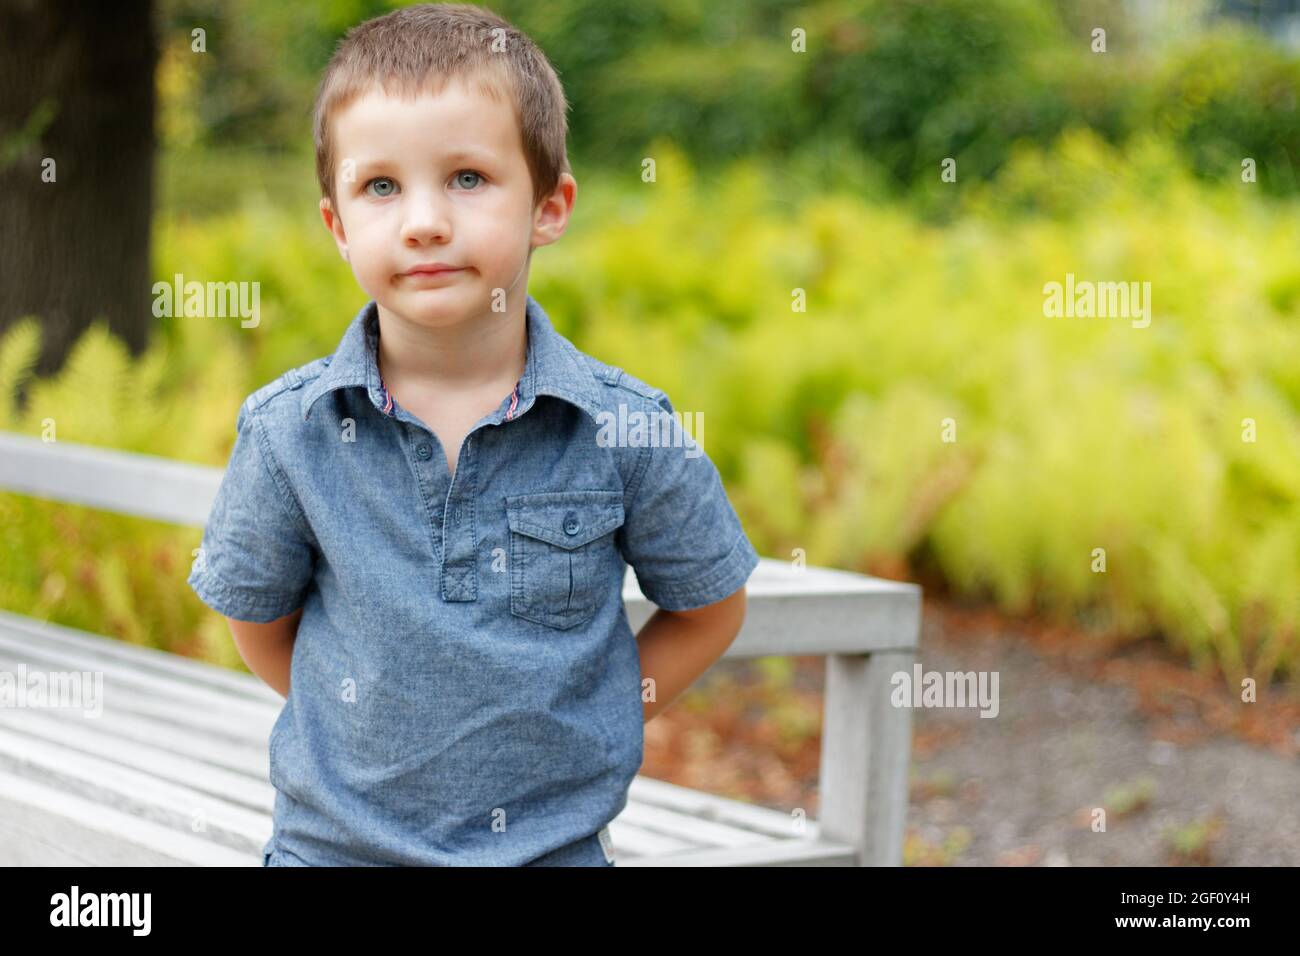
459, 566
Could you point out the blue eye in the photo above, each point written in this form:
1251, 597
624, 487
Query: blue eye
468, 172
381, 181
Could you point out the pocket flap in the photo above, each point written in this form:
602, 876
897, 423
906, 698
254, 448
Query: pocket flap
566, 519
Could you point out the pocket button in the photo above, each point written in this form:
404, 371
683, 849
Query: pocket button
571, 523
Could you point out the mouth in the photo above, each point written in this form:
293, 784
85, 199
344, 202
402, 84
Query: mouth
431, 272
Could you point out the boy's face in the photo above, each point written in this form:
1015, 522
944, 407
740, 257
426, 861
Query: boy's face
437, 179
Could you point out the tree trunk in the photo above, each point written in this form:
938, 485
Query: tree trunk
77, 88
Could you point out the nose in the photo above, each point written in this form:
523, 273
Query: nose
425, 218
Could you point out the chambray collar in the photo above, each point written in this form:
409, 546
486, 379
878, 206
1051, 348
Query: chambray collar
553, 366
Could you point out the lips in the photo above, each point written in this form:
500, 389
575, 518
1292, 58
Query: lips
432, 270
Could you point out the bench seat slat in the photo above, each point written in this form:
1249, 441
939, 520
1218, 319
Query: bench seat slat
74, 645
778, 853
104, 744
132, 791
682, 826
147, 693
708, 806
44, 825
631, 840
167, 739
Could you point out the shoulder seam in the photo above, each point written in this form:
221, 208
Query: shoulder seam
612, 376
620, 379
293, 378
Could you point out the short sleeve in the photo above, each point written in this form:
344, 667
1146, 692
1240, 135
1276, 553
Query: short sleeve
257, 555
680, 534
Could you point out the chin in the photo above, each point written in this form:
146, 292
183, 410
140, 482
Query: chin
432, 307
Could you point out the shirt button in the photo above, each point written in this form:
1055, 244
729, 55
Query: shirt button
424, 451
571, 523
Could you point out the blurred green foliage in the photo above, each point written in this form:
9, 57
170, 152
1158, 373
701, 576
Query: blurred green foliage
1071, 434
905, 82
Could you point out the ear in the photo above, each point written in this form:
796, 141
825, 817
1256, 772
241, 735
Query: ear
551, 216
335, 225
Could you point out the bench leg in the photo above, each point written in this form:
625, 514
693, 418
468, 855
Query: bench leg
865, 756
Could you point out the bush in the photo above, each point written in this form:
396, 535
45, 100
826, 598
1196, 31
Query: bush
1228, 95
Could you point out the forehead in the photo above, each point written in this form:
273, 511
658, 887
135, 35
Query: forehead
458, 118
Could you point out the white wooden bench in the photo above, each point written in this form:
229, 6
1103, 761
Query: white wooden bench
174, 771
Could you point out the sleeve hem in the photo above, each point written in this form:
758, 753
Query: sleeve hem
242, 604
725, 578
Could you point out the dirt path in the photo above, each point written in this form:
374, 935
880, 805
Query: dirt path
1187, 774
1019, 789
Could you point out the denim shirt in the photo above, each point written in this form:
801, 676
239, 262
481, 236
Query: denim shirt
465, 686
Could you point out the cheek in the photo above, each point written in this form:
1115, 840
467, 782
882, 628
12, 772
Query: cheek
368, 252
497, 234
368, 237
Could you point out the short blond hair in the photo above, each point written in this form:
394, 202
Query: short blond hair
422, 48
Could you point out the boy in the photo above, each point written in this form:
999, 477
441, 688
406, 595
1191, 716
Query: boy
421, 540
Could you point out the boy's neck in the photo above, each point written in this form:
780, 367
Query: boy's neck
486, 350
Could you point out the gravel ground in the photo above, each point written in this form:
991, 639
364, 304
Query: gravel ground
1019, 788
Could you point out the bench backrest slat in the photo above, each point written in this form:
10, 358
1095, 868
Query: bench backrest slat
142, 485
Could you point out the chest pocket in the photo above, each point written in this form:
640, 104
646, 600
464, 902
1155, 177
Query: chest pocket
561, 554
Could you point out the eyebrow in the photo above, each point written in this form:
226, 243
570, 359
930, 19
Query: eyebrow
468, 155
472, 155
